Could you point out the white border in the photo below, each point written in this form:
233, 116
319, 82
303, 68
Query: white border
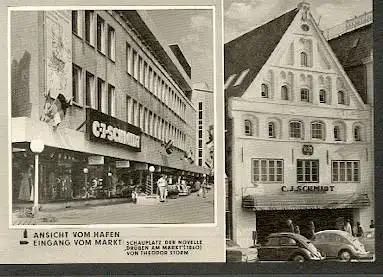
89, 226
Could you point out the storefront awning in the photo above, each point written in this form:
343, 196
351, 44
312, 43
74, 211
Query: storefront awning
304, 201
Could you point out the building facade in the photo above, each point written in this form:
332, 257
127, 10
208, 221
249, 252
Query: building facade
203, 100
130, 104
299, 136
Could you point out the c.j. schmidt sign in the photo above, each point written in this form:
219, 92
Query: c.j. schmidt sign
307, 188
104, 128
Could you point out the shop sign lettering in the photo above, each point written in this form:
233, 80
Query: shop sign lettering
307, 188
106, 129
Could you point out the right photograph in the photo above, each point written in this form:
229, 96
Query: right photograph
299, 131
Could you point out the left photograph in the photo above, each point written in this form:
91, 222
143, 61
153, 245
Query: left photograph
112, 117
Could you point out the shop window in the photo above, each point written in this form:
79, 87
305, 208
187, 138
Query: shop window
305, 95
284, 93
341, 98
304, 59
322, 96
271, 126
100, 95
267, 170
89, 90
295, 129
264, 91
89, 27
308, 171
357, 133
77, 84
77, 23
345, 171
100, 34
317, 130
111, 100
248, 128
111, 43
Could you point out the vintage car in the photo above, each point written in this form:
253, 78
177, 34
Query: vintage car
368, 240
340, 244
288, 247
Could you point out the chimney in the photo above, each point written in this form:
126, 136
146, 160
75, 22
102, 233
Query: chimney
181, 58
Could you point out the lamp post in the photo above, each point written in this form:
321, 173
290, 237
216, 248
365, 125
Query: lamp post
151, 169
85, 170
37, 146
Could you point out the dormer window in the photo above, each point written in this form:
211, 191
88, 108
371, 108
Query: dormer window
322, 96
304, 59
248, 128
341, 98
284, 93
264, 91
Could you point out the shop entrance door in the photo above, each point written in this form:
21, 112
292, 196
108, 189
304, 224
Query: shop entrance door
273, 221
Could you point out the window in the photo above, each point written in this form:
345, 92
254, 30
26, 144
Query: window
357, 134
142, 70
305, 96
274, 241
76, 84
100, 94
111, 43
338, 133
111, 100
304, 60
284, 93
128, 109
345, 171
77, 23
135, 65
341, 98
265, 91
271, 130
129, 59
146, 75
89, 27
308, 171
287, 241
295, 129
267, 170
89, 90
100, 34
317, 130
248, 128
322, 96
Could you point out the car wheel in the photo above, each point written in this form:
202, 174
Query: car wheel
345, 255
298, 258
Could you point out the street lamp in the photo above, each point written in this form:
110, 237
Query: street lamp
151, 169
37, 146
85, 170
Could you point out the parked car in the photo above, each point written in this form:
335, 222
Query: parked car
368, 240
288, 247
339, 244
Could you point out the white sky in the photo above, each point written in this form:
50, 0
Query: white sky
241, 16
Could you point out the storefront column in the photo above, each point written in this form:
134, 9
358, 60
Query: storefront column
37, 146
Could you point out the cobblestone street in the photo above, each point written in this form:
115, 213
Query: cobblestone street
189, 209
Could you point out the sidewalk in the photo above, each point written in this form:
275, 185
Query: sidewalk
189, 209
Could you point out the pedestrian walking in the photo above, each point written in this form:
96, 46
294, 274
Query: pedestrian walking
311, 232
347, 227
204, 186
197, 186
296, 230
162, 185
359, 230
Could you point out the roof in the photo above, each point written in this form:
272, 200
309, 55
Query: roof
352, 47
252, 50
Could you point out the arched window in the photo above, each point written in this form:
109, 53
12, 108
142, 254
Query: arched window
295, 129
357, 133
305, 95
271, 130
317, 130
304, 61
337, 133
322, 96
265, 91
341, 98
284, 93
248, 128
